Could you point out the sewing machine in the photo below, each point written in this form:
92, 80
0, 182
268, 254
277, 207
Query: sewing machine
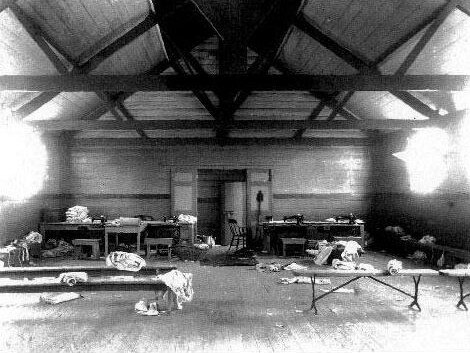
298, 217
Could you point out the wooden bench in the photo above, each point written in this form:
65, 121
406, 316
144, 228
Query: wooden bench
461, 275
167, 242
31, 279
357, 274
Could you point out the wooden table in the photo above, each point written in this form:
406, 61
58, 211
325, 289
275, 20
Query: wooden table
66, 226
136, 229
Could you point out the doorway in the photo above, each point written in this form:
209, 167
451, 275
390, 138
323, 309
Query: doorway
221, 194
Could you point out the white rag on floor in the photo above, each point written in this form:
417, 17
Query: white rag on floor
181, 284
125, 261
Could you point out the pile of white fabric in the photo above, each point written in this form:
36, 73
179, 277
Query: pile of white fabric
125, 261
186, 218
76, 214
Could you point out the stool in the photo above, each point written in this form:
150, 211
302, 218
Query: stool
292, 241
168, 242
94, 243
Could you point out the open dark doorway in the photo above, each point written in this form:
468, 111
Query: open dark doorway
211, 202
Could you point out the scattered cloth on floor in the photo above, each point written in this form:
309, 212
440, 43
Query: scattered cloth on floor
352, 251
394, 267
77, 214
304, 280
72, 278
365, 267
202, 246
427, 239
343, 265
125, 261
418, 255
54, 298
294, 266
462, 266
58, 248
340, 290
180, 284
273, 267
406, 237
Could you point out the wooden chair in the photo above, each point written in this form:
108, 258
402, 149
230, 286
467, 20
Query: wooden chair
238, 234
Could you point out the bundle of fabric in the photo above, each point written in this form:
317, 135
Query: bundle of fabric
33, 237
427, 239
72, 278
394, 267
181, 284
352, 250
186, 218
125, 261
77, 214
62, 248
418, 255
343, 265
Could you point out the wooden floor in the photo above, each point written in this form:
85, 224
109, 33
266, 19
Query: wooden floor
240, 309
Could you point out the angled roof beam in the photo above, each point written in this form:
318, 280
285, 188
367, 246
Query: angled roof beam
359, 64
435, 25
365, 124
92, 63
340, 105
36, 33
313, 115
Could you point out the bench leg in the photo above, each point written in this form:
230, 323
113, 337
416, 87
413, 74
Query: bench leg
315, 299
415, 296
462, 296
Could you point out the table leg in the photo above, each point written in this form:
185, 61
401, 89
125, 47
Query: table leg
106, 243
313, 306
462, 296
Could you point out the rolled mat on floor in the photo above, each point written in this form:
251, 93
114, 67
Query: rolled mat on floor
394, 266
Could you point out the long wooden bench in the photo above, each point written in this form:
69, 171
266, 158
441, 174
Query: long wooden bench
461, 275
44, 279
416, 274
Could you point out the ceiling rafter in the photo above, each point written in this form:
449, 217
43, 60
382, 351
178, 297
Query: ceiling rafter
359, 64
90, 64
313, 115
168, 83
37, 34
340, 105
165, 142
427, 36
365, 124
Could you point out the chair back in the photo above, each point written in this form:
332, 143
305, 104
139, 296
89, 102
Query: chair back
235, 229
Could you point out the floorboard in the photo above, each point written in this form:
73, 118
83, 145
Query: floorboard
238, 309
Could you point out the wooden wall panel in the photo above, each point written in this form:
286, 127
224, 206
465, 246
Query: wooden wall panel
442, 213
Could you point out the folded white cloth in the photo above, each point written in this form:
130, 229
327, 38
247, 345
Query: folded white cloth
394, 266
293, 266
125, 261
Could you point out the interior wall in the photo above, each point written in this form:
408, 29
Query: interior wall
17, 218
316, 181
442, 213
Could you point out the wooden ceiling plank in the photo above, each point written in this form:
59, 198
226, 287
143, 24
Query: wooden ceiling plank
92, 63
427, 36
38, 36
365, 124
361, 65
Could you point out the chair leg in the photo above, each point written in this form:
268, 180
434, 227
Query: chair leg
231, 243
